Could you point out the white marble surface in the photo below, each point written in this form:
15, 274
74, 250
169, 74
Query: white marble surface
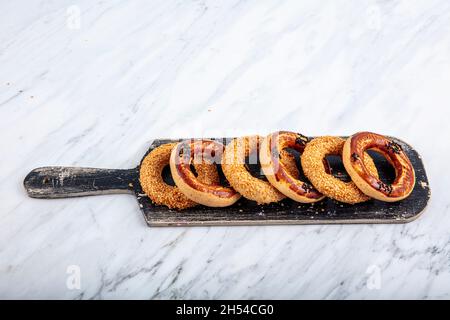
94, 89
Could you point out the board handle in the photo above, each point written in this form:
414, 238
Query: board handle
68, 182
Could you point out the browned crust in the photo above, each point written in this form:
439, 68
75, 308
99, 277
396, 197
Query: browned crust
371, 185
160, 192
236, 172
207, 194
312, 159
276, 171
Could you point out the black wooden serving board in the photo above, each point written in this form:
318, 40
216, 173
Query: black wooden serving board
65, 182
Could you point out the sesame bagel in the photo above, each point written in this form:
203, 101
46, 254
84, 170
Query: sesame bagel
235, 169
313, 166
150, 177
187, 152
353, 158
277, 172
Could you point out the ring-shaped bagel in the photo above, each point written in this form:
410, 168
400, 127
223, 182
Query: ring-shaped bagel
353, 156
187, 152
277, 173
235, 169
150, 176
312, 163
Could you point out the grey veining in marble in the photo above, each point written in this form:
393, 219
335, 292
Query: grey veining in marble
91, 83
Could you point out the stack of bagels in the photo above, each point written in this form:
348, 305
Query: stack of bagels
193, 165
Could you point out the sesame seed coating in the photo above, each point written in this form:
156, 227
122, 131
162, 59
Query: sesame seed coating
236, 172
314, 169
158, 190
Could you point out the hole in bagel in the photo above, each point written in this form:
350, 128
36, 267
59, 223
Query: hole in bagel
385, 169
223, 181
337, 168
296, 154
167, 176
191, 166
254, 168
